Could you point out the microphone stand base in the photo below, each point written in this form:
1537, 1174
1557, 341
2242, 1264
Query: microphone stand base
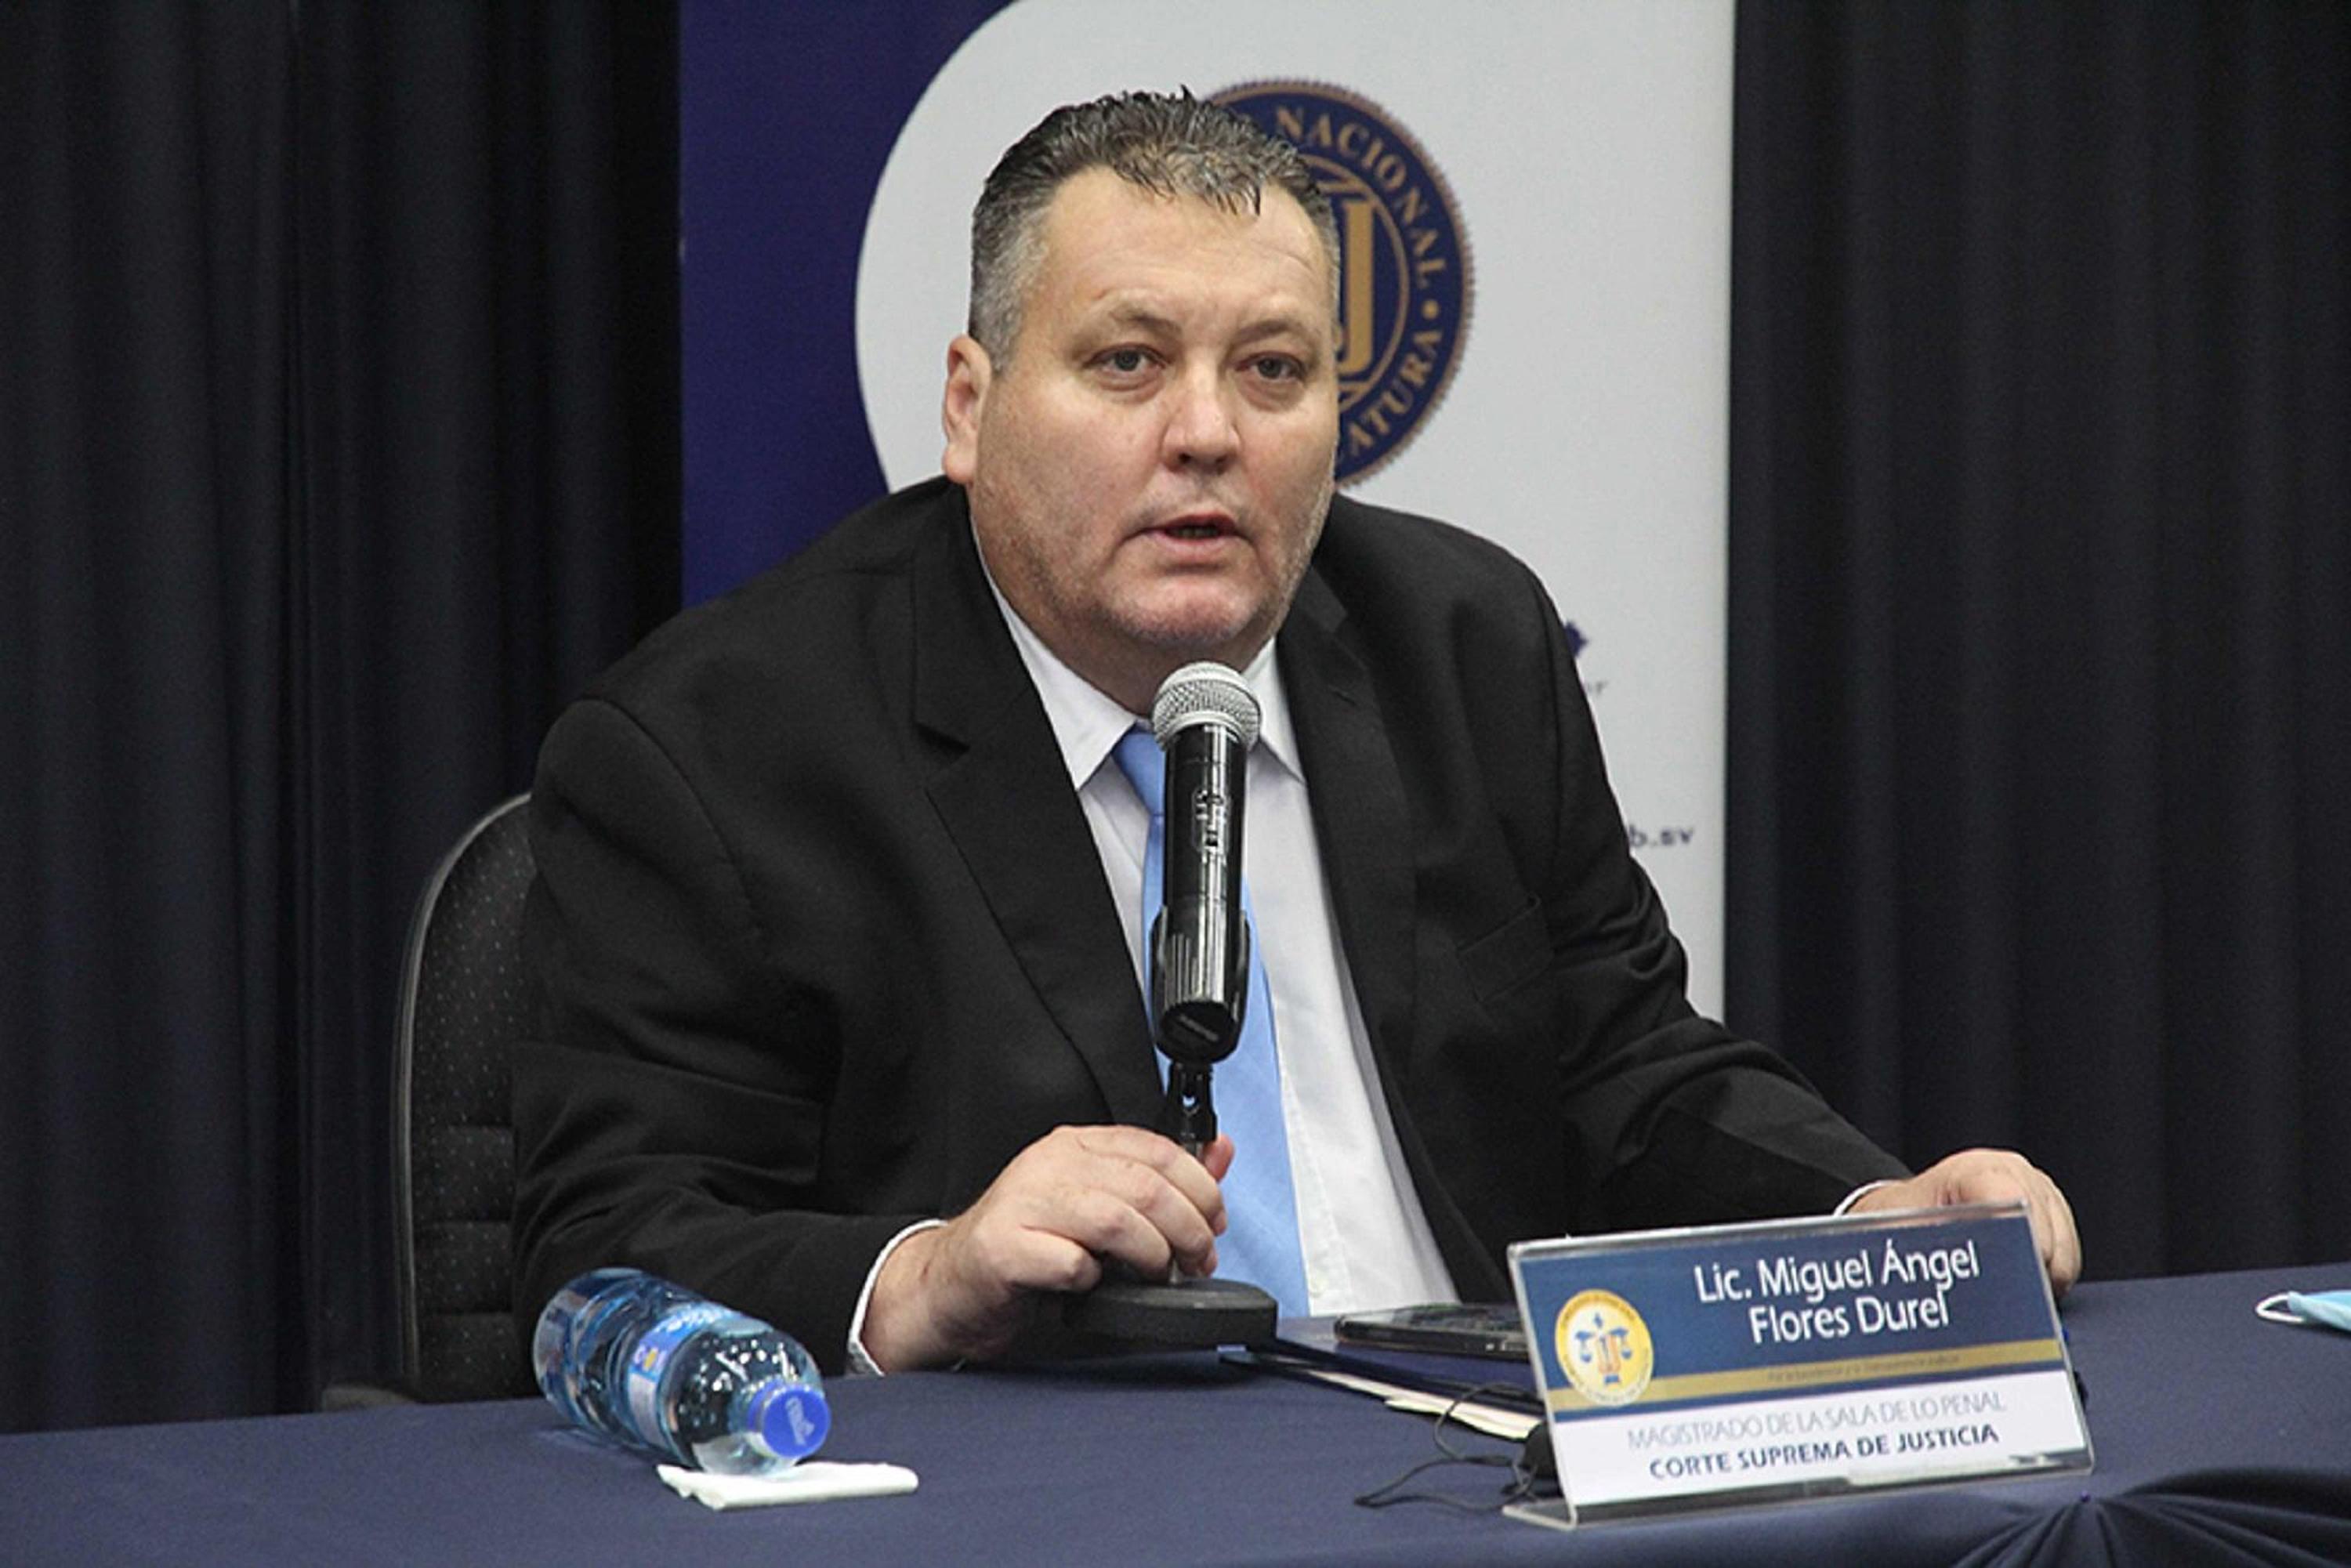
1187, 1314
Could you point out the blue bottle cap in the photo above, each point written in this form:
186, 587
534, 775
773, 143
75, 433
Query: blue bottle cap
790, 1418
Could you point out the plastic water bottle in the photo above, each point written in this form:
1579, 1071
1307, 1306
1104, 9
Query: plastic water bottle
655, 1367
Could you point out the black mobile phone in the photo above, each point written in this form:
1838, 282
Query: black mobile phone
1450, 1328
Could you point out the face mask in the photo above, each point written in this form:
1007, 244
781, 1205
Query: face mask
2330, 1309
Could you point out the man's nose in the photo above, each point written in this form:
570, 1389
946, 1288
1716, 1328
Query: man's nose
1201, 429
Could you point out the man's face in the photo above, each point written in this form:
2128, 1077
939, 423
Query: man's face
1150, 468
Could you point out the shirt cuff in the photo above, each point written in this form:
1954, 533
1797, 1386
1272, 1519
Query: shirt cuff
1855, 1196
861, 1364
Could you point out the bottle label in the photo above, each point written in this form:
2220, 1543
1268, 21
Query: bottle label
650, 1359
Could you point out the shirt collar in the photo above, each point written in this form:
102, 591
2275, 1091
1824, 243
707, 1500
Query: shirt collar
1088, 724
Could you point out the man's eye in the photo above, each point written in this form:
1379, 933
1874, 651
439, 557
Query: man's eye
1125, 361
1276, 368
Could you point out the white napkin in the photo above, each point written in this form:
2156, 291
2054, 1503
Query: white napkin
810, 1480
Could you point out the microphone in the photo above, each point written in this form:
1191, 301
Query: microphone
1206, 719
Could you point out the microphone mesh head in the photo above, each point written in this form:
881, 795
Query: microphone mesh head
1208, 693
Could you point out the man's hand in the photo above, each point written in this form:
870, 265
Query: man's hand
1068, 1202
1981, 1175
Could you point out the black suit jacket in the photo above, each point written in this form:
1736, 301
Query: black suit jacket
824, 941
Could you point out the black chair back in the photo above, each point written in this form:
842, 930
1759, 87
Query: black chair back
463, 1001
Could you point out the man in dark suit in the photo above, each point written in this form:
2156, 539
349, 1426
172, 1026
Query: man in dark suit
840, 1019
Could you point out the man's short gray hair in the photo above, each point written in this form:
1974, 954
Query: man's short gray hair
1170, 144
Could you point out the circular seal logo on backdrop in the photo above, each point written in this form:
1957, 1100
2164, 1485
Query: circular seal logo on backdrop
1404, 260
1604, 1346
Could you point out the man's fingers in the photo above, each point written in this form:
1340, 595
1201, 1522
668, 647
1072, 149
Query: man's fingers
1217, 1157
2001, 1174
1194, 1179
1000, 1262
1991, 1174
2064, 1253
1978, 1175
1130, 1212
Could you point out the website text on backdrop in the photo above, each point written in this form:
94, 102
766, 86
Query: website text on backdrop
838, 925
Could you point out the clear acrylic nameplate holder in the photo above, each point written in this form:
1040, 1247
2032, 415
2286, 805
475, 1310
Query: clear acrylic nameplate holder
1742, 1365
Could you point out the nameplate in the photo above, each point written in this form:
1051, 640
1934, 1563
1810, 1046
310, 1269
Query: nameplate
1750, 1363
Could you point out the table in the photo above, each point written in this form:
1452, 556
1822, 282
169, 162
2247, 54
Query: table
2218, 1438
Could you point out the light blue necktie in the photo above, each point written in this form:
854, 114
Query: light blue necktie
1260, 1239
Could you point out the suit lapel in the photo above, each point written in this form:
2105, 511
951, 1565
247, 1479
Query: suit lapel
999, 788
1363, 828
1361, 822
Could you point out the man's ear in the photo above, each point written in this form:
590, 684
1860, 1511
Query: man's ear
969, 373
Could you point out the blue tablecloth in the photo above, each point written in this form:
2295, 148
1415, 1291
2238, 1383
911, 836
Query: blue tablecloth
2220, 1439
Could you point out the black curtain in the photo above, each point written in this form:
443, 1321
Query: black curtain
338, 446
2041, 618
